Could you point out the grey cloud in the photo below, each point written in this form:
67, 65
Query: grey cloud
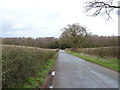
8, 27
8, 30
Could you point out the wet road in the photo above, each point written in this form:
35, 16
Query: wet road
73, 72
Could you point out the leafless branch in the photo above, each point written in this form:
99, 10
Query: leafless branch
101, 7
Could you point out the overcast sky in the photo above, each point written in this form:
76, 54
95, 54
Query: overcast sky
45, 18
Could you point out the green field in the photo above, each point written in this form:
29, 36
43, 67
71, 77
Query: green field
21, 64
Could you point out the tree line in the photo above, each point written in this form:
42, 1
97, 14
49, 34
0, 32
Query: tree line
45, 42
73, 36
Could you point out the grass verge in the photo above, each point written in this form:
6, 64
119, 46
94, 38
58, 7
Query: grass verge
111, 63
39, 79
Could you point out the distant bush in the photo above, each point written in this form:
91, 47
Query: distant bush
101, 51
19, 63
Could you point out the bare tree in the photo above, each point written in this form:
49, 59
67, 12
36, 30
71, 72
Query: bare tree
102, 7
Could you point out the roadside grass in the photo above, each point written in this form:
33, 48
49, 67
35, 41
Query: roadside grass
39, 78
111, 63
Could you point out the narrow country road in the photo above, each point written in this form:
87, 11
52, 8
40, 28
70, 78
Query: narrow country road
73, 72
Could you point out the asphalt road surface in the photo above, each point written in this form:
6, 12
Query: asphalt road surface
73, 72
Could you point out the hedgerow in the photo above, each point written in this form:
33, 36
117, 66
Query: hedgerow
19, 63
